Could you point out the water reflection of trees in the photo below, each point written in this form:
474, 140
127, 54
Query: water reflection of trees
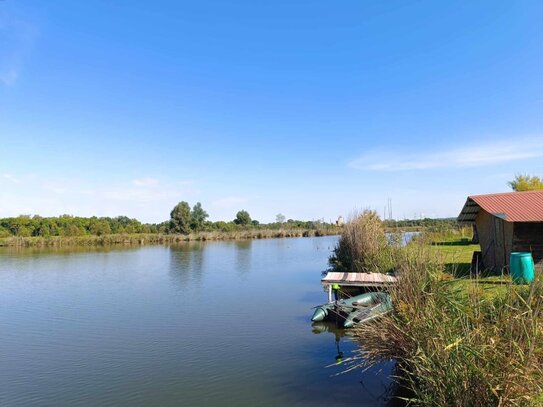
243, 256
187, 263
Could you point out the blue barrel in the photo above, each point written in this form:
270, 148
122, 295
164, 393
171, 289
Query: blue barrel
522, 267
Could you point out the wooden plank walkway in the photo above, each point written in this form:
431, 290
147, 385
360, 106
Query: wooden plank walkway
358, 279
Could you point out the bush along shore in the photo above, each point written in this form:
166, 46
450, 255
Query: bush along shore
471, 341
185, 224
158, 238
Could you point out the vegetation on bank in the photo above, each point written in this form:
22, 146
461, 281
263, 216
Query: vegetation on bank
159, 238
457, 341
184, 224
363, 246
442, 225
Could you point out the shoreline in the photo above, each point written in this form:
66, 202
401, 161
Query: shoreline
142, 239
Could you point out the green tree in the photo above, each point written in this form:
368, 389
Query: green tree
73, 230
280, 218
526, 183
4, 232
99, 227
242, 218
198, 217
44, 228
180, 218
163, 227
224, 226
24, 231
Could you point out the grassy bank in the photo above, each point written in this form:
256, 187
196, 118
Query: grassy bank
157, 238
457, 341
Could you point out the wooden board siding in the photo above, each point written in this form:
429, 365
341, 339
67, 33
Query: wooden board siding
487, 239
528, 237
496, 240
509, 228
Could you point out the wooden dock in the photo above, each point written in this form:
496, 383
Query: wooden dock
365, 280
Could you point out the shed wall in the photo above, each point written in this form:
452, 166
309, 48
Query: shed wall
528, 237
496, 240
485, 231
500, 227
509, 232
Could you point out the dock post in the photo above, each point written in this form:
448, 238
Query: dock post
329, 293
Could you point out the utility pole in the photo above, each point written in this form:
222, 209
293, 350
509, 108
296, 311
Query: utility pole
390, 208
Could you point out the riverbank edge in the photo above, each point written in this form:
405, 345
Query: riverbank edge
158, 238
456, 336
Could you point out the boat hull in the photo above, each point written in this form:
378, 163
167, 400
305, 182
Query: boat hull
358, 309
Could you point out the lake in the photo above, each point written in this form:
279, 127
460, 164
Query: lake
195, 324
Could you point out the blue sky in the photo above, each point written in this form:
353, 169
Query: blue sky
307, 108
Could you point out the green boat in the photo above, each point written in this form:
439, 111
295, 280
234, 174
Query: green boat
379, 305
358, 309
328, 311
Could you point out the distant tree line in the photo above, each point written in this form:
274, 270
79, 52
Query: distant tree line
67, 225
426, 223
183, 220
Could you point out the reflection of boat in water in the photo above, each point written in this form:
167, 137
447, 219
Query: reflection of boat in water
377, 389
355, 310
327, 327
330, 327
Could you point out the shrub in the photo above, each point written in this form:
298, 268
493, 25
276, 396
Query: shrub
362, 246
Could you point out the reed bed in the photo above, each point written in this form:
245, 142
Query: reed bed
363, 246
456, 342
157, 238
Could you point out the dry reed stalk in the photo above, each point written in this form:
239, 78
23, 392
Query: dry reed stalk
455, 343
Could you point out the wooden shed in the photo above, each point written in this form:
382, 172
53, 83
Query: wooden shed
505, 223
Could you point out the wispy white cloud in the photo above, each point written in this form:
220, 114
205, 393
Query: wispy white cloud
55, 189
9, 76
88, 192
11, 178
492, 152
185, 182
147, 190
146, 182
229, 202
149, 199
135, 196
17, 36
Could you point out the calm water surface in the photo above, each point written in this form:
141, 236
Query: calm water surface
198, 324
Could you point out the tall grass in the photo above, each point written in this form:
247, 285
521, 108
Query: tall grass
363, 246
455, 345
158, 238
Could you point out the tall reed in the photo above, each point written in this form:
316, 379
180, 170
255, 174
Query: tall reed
456, 343
363, 246
158, 238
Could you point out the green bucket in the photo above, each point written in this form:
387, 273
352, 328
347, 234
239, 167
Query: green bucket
522, 267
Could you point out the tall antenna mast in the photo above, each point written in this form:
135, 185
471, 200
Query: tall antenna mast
390, 208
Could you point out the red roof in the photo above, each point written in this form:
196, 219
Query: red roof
510, 206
